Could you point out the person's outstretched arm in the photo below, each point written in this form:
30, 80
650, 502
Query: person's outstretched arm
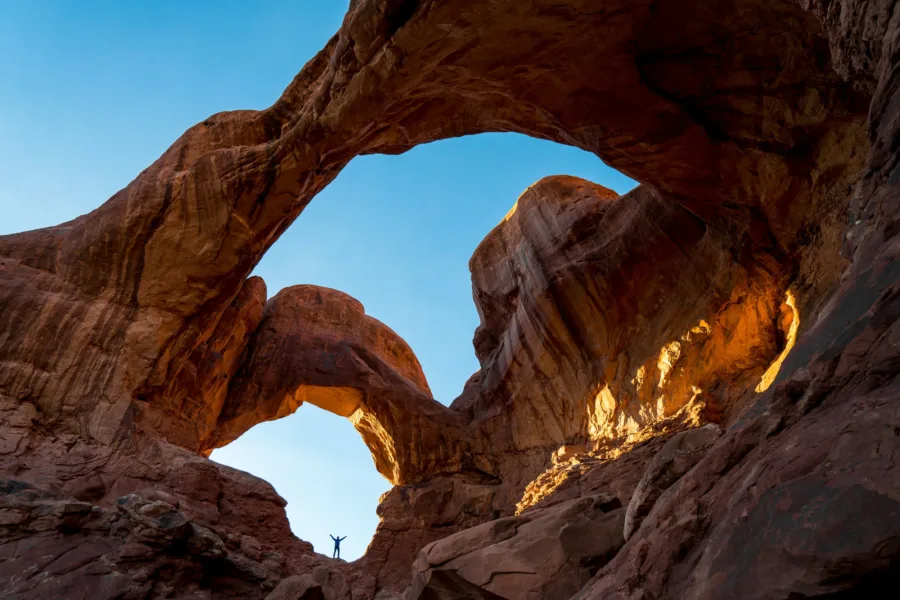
332, 537
343, 538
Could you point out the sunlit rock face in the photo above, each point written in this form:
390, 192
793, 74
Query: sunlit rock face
751, 281
607, 320
602, 315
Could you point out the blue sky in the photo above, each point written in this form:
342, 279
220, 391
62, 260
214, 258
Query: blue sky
91, 93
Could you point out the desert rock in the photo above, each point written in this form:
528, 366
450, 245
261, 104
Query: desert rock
750, 281
317, 345
547, 553
672, 461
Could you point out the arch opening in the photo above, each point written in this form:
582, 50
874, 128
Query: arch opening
321, 466
748, 135
447, 217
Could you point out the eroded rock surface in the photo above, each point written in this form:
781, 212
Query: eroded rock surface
672, 461
317, 345
142, 545
321, 584
750, 281
137, 286
546, 553
448, 585
602, 316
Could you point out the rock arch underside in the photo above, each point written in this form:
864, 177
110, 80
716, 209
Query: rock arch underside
688, 391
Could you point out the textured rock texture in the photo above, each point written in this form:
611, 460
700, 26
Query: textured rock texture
672, 461
317, 345
547, 553
447, 585
602, 316
168, 539
135, 287
751, 282
321, 584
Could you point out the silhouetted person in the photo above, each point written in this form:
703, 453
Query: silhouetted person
337, 545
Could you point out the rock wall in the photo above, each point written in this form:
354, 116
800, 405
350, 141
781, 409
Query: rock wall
140, 284
601, 315
751, 281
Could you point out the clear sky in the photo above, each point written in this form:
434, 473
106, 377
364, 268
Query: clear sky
93, 92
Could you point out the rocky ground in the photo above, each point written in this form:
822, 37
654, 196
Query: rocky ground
689, 391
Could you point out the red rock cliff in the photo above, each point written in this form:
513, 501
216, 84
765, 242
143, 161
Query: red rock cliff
750, 281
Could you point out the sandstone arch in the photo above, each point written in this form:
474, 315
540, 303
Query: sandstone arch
150, 273
317, 345
748, 117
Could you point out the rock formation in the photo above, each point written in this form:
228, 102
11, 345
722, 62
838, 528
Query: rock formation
752, 282
602, 315
547, 553
672, 461
317, 345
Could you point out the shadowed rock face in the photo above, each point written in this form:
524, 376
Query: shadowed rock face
673, 460
546, 553
203, 380
132, 339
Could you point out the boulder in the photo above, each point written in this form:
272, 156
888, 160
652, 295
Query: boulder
547, 553
439, 584
320, 584
673, 460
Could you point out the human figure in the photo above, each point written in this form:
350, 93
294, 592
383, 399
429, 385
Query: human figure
337, 545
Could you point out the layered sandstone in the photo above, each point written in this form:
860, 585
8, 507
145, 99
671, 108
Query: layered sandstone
750, 281
602, 315
141, 283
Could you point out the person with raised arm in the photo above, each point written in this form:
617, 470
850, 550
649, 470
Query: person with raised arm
337, 546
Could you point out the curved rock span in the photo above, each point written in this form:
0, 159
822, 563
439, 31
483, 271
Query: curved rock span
750, 286
317, 345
